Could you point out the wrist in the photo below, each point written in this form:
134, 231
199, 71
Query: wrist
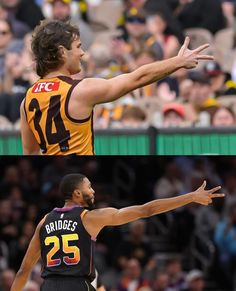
193, 197
179, 62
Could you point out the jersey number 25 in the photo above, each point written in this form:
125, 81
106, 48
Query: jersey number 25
73, 251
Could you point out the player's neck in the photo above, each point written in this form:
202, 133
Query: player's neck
60, 72
70, 203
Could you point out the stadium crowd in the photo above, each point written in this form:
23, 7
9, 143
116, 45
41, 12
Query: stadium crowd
191, 248
119, 36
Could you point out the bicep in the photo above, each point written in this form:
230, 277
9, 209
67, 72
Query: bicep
113, 216
30, 145
99, 91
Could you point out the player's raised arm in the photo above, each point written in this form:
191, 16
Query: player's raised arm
30, 145
95, 220
31, 257
97, 91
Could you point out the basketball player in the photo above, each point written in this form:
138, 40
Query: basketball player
65, 237
57, 113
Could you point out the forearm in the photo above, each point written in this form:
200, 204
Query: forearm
164, 205
20, 281
128, 214
153, 72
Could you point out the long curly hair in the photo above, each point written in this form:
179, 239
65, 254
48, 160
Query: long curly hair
46, 39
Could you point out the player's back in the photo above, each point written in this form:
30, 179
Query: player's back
66, 247
57, 133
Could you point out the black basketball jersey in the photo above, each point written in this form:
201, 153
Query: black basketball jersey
66, 247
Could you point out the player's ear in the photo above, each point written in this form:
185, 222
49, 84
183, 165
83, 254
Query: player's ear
77, 193
62, 50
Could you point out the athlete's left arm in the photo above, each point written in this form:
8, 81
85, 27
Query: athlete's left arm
30, 144
31, 257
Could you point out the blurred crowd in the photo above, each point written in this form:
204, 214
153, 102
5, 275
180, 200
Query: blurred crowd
118, 37
191, 248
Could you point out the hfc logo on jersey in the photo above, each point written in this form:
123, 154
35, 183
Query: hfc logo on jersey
45, 87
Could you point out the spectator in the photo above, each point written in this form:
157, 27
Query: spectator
221, 83
7, 278
223, 117
195, 281
228, 8
201, 98
157, 26
173, 115
18, 247
206, 221
100, 60
161, 282
19, 27
170, 183
136, 245
185, 87
133, 117
5, 40
177, 279
166, 9
8, 230
137, 35
132, 279
62, 10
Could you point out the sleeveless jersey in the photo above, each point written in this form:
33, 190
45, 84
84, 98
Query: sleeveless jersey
46, 109
66, 247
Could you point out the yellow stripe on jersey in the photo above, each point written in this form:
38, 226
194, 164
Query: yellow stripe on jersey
57, 133
83, 213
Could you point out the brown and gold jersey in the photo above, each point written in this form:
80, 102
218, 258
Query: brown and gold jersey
57, 133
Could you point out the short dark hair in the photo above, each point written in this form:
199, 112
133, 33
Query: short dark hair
46, 39
69, 183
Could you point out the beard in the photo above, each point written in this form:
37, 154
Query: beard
89, 201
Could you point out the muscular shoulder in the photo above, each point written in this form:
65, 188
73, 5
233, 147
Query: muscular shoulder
90, 89
41, 223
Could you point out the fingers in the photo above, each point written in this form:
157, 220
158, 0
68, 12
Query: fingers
206, 202
214, 189
184, 46
205, 57
186, 42
201, 48
203, 185
216, 195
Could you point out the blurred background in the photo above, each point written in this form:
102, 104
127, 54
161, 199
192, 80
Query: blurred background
118, 37
190, 248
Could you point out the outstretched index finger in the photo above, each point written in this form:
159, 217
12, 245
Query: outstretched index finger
217, 195
201, 48
214, 189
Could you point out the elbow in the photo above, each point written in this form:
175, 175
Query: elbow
31, 151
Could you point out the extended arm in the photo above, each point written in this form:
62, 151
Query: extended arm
112, 216
30, 144
31, 257
94, 90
